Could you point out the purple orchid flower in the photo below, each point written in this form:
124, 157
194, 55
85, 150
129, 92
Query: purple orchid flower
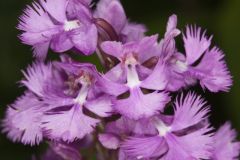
55, 103
125, 109
116, 132
47, 25
77, 89
71, 25
200, 62
186, 137
131, 76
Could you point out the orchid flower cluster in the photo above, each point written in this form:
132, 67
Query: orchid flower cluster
129, 111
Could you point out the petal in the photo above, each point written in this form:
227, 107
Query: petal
140, 105
109, 10
213, 72
157, 80
172, 23
56, 8
117, 74
143, 72
79, 9
85, 39
40, 50
133, 32
196, 145
61, 42
75, 68
68, 125
49, 155
125, 127
189, 111
113, 48
147, 48
109, 141
66, 150
177, 72
102, 106
175, 82
167, 44
195, 44
34, 19
37, 26
144, 147
23, 120
225, 144
36, 77
122, 126
110, 87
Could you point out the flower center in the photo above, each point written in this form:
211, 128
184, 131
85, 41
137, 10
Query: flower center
182, 66
71, 25
130, 59
85, 79
82, 95
162, 128
132, 76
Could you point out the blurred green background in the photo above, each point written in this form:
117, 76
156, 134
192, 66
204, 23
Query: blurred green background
220, 17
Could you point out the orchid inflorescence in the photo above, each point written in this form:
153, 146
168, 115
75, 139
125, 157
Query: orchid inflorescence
123, 112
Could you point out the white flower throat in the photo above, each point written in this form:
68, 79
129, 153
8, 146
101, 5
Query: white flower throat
162, 128
85, 80
71, 25
132, 75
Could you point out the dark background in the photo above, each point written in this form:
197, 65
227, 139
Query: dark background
220, 17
